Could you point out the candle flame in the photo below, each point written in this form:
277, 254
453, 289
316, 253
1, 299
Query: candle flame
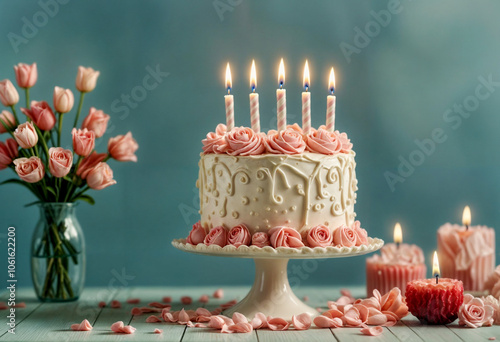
331, 81
253, 77
281, 74
435, 265
398, 233
466, 217
229, 81
306, 78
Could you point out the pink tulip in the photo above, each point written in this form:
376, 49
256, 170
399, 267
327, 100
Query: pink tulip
96, 121
26, 135
8, 93
123, 147
26, 75
30, 170
8, 120
8, 152
63, 100
88, 163
83, 141
86, 79
41, 114
100, 177
60, 161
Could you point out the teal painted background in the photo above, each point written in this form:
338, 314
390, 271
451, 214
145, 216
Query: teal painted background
415, 71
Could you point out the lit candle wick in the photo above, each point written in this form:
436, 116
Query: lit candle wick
437, 279
466, 217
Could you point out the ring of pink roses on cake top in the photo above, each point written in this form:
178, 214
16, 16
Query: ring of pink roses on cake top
280, 236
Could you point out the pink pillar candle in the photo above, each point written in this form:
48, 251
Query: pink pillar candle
229, 99
306, 112
395, 267
330, 113
281, 105
254, 112
466, 254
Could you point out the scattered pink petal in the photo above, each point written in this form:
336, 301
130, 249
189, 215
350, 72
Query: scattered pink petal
136, 311
493, 338
120, 328
102, 304
183, 317
20, 305
158, 331
229, 304
189, 324
326, 322
216, 322
216, 311
167, 299
277, 324
372, 331
3, 306
203, 315
320, 310
302, 321
259, 321
331, 305
159, 305
186, 300
344, 301
153, 319
84, 326
239, 318
305, 298
203, 299
345, 292
147, 309
200, 325
116, 304
333, 313
219, 293
241, 327
133, 300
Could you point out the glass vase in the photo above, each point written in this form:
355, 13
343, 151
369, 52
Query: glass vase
58, 254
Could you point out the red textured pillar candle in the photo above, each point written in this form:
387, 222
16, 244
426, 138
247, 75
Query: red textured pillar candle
435, 303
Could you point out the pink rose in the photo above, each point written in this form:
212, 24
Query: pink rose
8, 120
30, 170
244, 141
60, 161
86, 79
319, 236
26, 135
216, 236
63, 100
213, 143
123, 147
8, 152
495, 304
197, 234
295, 127
96, 121
322, 141
260, 239
288, 141
345, 142
83, 141
282, 236
344, 236
361, 234
100, 177
26, 75
474, 313
8, 93
238, 236
89, 162
41, 114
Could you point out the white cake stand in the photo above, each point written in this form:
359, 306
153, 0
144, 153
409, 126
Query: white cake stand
271, 293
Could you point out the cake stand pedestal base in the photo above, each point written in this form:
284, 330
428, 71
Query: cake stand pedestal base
271, 293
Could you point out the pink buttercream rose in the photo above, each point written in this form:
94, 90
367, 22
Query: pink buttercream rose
96, 121
344, 236
215, 142
83, 141
216, 236
88, 163
474, 313
319, 236
30, 170
361, 234
197, 234
123, 147
26, 135
41, 114
288, 141
345, 142
8, 120
100, 177
323, 141
8, 152
26, 75
260, 239
282, 236
60, 161
295, 127
243, 141
238, 236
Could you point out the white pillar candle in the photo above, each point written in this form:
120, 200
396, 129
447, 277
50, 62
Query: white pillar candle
229, 100
306, 102
330, 104
281, 98
254, 101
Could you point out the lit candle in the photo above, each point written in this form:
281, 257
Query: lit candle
254, 101
398, 234
229, 100
435, 267
306, 102
281, 98
330, 104
466, 217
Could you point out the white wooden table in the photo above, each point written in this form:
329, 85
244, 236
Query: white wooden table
51, 321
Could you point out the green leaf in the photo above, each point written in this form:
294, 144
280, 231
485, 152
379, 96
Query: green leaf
68, 179
85, 198
16, 181
32, 203
51, 190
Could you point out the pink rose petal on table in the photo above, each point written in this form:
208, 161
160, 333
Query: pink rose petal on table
116, 304
227, 320
167, 299
203, 315
393, 302
20, 305
101, 304
3, 306
186, 300
326, 322
375, 317
239, 318
133, 300
153, 319
216, 311
200, 325
277, 324
120, 328
216, 322
237, 328
219, 293
320, 310
259, 321
372, 331
229, 304
183, 317
84, 326
493, 338
147, 309
136, 311
302, 321
355, 315
159, 305
203, 299
346, 292
158, 331
172, 317
344, 300
333, 313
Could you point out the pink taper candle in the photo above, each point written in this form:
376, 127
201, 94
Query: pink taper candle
229, 100
281, 98
330, 104
306, 102
254, 101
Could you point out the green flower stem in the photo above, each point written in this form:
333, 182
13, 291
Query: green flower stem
27, 92
78, 194
71, 185
82, 94
15, 114
7, 128
44, 143
59, 129
107, 158
34, 152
